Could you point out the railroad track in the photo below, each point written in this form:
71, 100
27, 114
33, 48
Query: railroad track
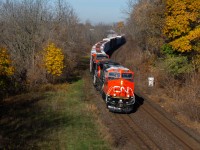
146, 128
137, 134
177, 133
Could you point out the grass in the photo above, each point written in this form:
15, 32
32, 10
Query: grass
54, 118
178, 96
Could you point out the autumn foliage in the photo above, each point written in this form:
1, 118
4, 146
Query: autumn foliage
164, 42
53, 59
6, 69
182, 24
184, 43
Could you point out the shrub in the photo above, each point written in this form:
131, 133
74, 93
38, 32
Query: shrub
167, 50
177, 65
5, 63
53, 59
6, 71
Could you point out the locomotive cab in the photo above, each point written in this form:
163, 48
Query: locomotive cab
117, 86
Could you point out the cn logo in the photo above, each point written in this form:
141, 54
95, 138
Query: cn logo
119, 89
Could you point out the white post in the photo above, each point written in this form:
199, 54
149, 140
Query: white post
150, 81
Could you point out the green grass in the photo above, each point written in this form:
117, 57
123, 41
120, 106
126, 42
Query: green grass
53, 119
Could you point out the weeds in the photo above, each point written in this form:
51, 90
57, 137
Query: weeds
54, 118
178, 95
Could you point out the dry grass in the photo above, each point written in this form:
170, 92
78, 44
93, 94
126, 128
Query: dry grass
92, 108
50, 87
104, 131
191, 124
181, 98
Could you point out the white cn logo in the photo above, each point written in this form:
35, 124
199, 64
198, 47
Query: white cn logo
121, 89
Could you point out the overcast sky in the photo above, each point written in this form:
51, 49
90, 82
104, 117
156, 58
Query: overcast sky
107, 11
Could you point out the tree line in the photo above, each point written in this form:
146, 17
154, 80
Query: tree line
41, 42
169, 29
163, 41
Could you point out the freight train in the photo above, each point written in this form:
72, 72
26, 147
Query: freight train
114, 81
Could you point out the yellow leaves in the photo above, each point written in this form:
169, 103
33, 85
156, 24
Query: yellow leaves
194, 34
179, 17
184, 44
5, 63
194, 5
181, 44
120, 24
53, 59
181, 24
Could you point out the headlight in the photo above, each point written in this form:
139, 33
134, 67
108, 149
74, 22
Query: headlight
122, 82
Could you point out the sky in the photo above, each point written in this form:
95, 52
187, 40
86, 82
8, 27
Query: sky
96, 11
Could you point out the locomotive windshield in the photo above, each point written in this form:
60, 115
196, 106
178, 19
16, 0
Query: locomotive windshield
127, 75
113, 75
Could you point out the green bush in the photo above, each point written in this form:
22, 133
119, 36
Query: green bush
177, 65
167, 50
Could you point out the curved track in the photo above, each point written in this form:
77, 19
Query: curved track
175, 132
148, 127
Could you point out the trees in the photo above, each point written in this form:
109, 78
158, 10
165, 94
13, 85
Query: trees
169, 25
182, 27
145, 24
28, 25
23, 33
